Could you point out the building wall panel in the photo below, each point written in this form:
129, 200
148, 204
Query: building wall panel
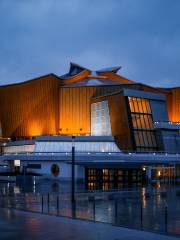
119, 120
173, 104
74, 108
31, 108
176, 105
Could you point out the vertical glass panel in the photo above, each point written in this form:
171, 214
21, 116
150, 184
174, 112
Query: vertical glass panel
143, 101
134, 120
141, 140
136, 109
150, 122
136, 135
146, 121
139, 105
145, 139
130, 99
153, 139
148, 106
138, 149
138, 121
149, 139
143, 126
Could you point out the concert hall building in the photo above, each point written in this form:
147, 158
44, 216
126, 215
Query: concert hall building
122, 130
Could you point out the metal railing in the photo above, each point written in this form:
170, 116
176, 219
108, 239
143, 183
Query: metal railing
153, 211
91, 153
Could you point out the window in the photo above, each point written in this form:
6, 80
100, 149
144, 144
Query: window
100, 120
111, 178
55, 170
142, 124
92, 178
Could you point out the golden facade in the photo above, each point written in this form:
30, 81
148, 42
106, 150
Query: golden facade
53, 105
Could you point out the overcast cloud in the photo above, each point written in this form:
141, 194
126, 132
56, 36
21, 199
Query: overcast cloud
42, 36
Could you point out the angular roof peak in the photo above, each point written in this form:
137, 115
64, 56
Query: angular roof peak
110, 69
76, 69
83, 76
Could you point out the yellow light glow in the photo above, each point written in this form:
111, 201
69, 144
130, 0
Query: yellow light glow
17, 163
35, 129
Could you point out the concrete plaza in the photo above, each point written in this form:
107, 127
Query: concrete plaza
16, 224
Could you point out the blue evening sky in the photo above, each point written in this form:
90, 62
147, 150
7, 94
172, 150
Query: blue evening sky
38, 37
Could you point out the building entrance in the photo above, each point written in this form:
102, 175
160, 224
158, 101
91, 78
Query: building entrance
113, 178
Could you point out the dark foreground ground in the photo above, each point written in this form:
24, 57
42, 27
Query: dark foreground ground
19, 225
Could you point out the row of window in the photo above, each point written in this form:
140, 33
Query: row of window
139, 105
146, 149
79, 146
145, 138
142, 121
93, 174
106, 186
112, 178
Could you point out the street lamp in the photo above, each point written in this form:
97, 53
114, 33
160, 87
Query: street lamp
72, 171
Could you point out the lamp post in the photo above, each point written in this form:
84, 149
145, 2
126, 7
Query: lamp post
72, 171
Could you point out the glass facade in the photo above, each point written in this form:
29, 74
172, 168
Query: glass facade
112, 178
100, 120
20, 148
79, 147
142, 124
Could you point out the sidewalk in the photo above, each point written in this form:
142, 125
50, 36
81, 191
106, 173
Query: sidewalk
19, 225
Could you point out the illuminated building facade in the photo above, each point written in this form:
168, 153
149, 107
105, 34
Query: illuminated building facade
83, 103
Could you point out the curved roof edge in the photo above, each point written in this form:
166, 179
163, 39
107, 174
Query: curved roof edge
30, 80
77, 73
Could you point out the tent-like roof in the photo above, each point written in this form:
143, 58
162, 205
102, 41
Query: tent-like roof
81, 76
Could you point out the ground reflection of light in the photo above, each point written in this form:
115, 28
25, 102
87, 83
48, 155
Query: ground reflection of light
16, 190
109, 209
34, 189
128, 208
9, 213
158, 199
34, 184
33, 224
158, 185
34, 180
144, 202
8, 187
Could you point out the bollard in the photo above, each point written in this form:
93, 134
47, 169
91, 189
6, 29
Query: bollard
116, 209
42, 203
141, 215
94, 209
57, 201
166, 216
73, 205
48, 201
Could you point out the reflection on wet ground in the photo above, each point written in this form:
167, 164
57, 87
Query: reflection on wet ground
149, 208
15, 225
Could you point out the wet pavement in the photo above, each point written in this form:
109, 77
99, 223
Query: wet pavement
19, 225
150, 209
